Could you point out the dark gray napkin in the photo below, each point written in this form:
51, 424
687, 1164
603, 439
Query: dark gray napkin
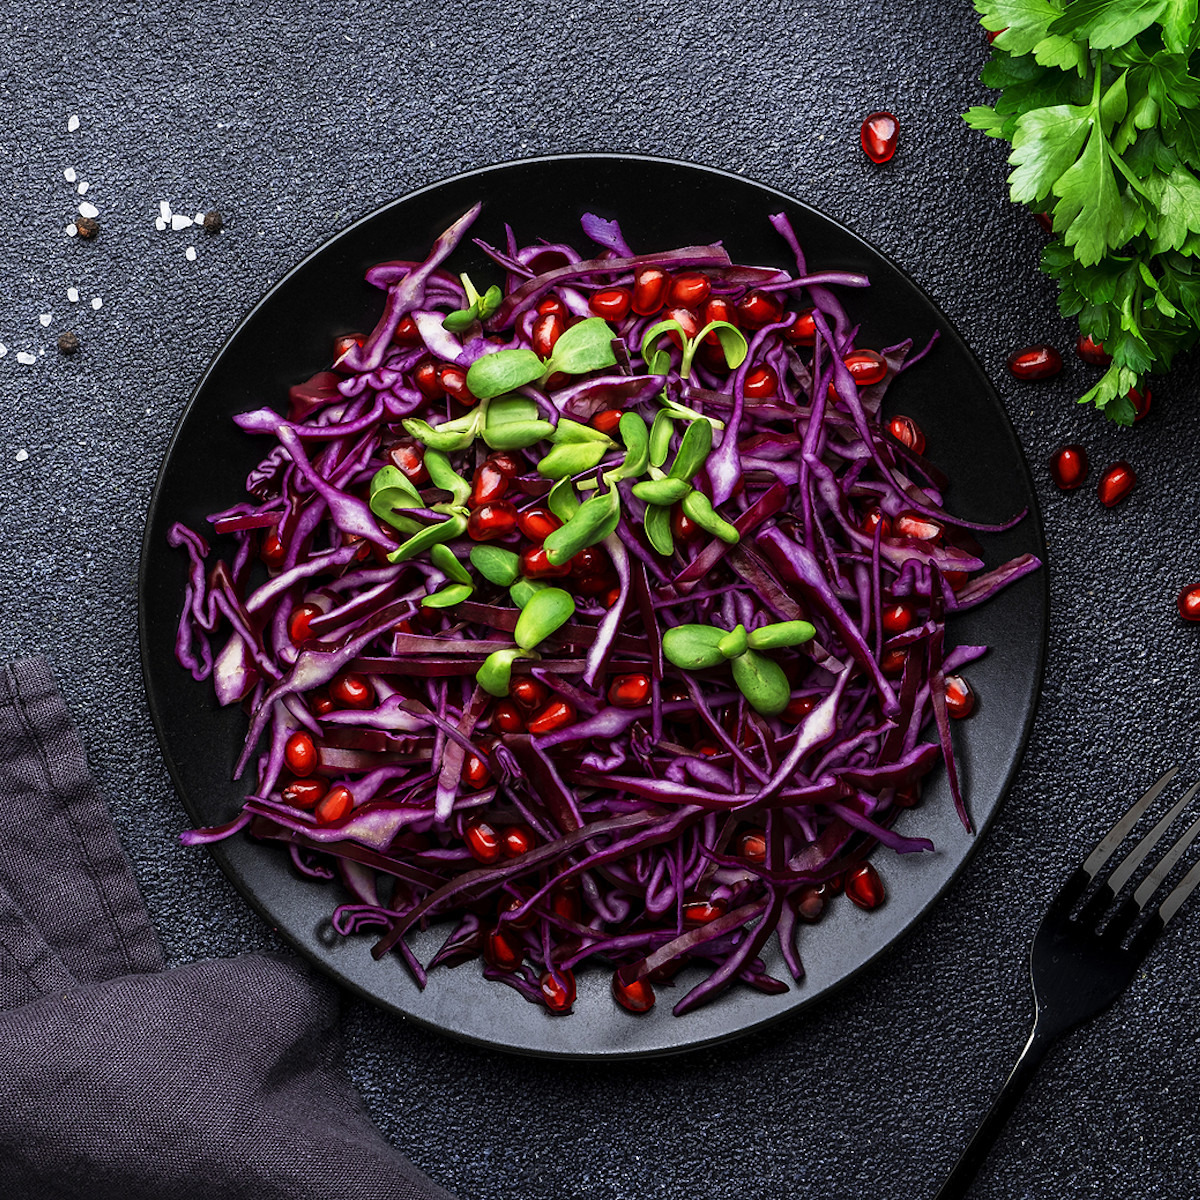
219, 1079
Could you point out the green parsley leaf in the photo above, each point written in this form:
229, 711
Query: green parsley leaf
1104, 24
1046, 145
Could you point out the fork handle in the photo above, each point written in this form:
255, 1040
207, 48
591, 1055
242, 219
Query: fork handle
965, 1170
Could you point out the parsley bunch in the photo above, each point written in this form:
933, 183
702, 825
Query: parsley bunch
1101, 102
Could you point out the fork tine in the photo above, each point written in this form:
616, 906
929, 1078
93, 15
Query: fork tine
1116, 835
1184, 888
1134, 859
1149, 885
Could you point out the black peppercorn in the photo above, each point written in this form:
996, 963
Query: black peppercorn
213, 222
68, 343
88, 227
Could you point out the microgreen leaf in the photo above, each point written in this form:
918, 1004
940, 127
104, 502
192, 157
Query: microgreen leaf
698, 506
570, 432
661, 491
517, 435
496, 565
461, 319
693, 450
571, 459
658, 361
580, 348
660, 438
390, 490
503, 371
490, 301
447, 597
444, 476
762, 681
505, 410
657, 524
733, 343
444, 559
693, 647
495, 672
594, 520
445, 531
562, 501
524, 590
636, 437
448, 437
780, 635
734, 642
545, 612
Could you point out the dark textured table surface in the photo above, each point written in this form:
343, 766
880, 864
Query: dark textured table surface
293, 120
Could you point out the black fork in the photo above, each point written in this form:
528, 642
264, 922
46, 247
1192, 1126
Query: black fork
1086, 951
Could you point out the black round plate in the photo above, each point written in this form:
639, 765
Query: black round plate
660, 204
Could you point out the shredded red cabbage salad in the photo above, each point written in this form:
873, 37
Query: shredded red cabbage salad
597, 612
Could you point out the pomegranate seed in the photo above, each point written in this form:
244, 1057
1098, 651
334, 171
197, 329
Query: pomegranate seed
518, 840
1035, 362
689, 289
528, 921
866, 367
897, 617
552, 306
960, 699
607, 420
591, 560
913, 525
1115, 484
752, 846
1188, 603
529, 693
305, 793
758, 308
908, 433
907, 796
810, 902
345, 342
1140, 402
878, 136
629, 691
475, 772
701, 912
487, 484
803, 330
300, 754
298, 623
428, 380
1092, 352
718, 308
797, 709
352, 691
272, 552
892, 663
507, 717
761, 382
482, 841
334, 805
649, 290
537, 523
835, 883
1069, 467
1045, 221
864, 886
956, 578
555, 715
635, 997
501, 953
491, 521
612, 303
683, 527
565, 905
547, 330
876, 518
454, 383
558, 994
319, 703
504, 463
688, 322
599, 584
535, 564
407, 333
611, 597
409, 459
993, 34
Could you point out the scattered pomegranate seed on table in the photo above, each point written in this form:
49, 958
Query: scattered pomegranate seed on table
864, 886
1115, 484
1140, 402
1069, 467
878, 136
1035, 362
1092, 352
1188, 603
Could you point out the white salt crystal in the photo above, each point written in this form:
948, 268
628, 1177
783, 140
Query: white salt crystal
72, 229
190, 254
82, 188
179, 222
22, 455
25, 358
69, 175
164, 210
96, 302
72, 123
73, 295
199, 218
45, 319
88, 209
159, 224
3, 349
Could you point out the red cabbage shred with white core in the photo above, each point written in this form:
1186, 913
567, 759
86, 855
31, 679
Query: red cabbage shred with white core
619, 835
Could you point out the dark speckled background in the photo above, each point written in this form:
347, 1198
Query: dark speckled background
293, 120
